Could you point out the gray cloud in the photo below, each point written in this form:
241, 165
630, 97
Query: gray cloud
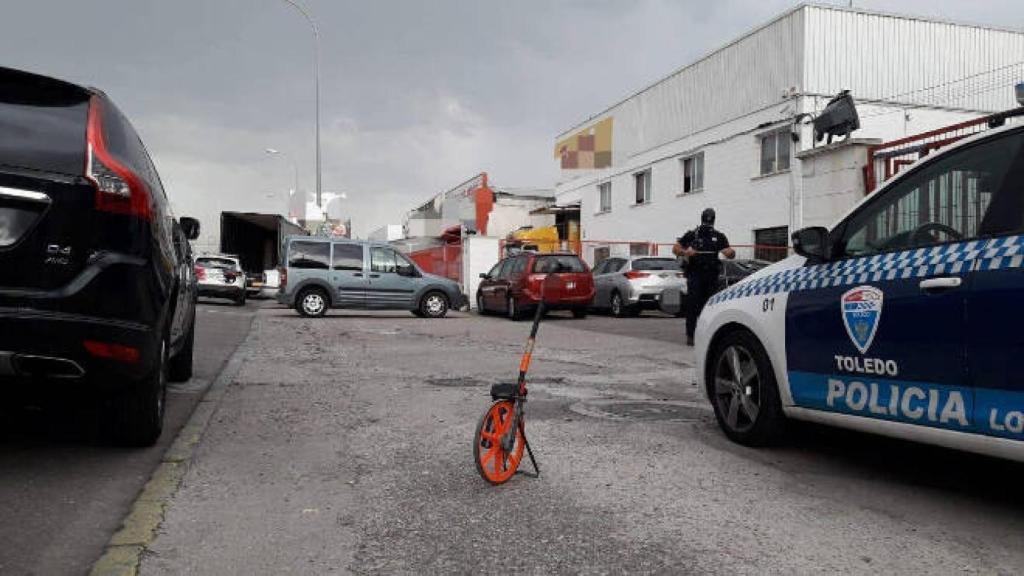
417, 96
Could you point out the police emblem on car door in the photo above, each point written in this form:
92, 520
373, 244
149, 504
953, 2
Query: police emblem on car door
862, 310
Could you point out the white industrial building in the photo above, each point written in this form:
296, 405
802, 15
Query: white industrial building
717, 132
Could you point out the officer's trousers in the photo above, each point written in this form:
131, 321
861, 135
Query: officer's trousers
699, 288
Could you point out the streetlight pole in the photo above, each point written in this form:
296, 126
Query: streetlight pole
316, 82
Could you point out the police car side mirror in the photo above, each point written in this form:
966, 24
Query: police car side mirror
812, 243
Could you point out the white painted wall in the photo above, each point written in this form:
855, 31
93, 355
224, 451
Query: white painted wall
479, 255
832, 180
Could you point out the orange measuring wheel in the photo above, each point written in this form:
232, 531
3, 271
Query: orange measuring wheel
497, 463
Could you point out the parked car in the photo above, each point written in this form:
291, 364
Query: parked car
322, 273
626, 286
221, 277
513, 286
95, 274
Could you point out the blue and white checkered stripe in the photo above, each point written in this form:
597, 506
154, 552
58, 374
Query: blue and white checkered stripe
924, 262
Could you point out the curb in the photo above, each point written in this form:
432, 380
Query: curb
123, 552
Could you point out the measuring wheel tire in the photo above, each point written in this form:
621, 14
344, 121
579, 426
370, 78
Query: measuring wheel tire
494, 464
742, 387
312, 303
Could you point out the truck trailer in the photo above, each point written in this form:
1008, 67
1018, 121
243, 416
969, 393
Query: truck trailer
256, 240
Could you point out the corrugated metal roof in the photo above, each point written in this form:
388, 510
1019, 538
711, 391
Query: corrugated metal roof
802, 8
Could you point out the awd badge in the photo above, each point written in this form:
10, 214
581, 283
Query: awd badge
862, 308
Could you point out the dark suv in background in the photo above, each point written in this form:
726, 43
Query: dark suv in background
97, 293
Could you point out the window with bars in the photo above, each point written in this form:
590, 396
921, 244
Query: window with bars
775, 149
642, 181
693, 173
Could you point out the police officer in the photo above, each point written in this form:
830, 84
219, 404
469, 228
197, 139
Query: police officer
701, 248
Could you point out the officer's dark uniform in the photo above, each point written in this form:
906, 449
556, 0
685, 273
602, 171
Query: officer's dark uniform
704, 269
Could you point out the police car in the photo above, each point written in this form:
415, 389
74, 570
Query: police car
905, 319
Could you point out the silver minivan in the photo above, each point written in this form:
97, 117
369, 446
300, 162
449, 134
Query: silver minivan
322, 273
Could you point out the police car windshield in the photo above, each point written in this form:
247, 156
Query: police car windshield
655, 264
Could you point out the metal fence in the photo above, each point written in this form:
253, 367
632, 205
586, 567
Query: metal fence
595, 251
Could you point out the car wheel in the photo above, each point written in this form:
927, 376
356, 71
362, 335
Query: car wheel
579, 313
136, 416
434, 305
240, 299
180, 368
311, 303
514, 313
742, 387
618, 306
480, 305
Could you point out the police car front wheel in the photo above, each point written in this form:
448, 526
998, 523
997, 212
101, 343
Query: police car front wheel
743, 390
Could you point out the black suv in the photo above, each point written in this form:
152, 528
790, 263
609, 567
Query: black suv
97, 292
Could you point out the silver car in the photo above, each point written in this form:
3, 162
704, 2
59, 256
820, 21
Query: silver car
221, 276
626, 286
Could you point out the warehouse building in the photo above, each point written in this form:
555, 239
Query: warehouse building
723, 131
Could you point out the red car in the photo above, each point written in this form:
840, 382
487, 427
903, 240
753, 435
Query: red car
512, 287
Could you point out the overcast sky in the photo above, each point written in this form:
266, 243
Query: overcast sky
416, 96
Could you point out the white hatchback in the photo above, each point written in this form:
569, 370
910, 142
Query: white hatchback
221, 277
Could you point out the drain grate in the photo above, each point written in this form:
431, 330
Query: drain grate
641, 411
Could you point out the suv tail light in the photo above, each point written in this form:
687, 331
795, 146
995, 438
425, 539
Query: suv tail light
634, 275
118, 189
282, 281
200, 273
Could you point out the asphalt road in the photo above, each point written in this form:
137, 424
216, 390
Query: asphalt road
649, 325
62, 493
344, 445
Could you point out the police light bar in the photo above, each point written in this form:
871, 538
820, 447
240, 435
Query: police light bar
1020, 93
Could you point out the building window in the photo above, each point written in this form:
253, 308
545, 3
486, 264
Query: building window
693, 173
643, 186
771, 244
604, 193
775, 152
601, 254
639, 249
